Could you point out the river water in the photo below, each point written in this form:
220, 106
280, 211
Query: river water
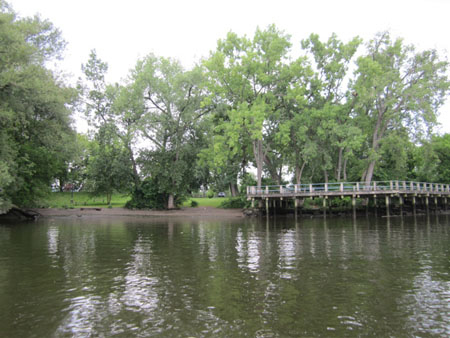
134, 277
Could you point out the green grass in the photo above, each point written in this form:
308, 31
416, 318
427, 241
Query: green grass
205, 202
84, 199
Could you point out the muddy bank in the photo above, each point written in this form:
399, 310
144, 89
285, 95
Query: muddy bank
207, 212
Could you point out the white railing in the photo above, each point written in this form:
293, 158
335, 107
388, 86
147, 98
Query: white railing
299, 189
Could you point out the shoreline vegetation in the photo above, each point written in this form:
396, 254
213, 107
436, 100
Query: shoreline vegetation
255, 112
65, 200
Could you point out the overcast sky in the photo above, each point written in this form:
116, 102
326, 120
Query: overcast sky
123, 31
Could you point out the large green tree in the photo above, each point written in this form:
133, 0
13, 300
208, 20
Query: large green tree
171, 123
247, 76
111, 165
396, 88
35, 123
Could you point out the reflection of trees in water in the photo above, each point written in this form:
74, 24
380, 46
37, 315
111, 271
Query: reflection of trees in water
428, 303
282, 277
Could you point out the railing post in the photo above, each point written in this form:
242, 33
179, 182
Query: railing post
267, 190
281, 189
412, 186
295, 188
310, 188
391, 185
404, 185
326, 187
396, 185
342, 187
357, 186
374, 186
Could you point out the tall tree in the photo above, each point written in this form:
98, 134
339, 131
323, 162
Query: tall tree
171, 123
111, 161
244, 74
397, 88
336, 135
35, 123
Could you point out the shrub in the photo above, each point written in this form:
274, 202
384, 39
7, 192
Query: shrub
147, 196
194, 204
210, 194
235, 203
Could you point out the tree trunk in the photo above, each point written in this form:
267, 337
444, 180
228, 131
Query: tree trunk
108, 198
299, 173
325, 174
339, 165
171, 202
257, 150
369, 173
234, 189
272, 170
344, 169
133, 162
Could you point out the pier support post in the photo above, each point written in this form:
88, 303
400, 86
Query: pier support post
324, 204
445, 204
414, 205
400, 200
253, 203
427, 204
354, 205
267, 207
295, 207
387, 205
375, 205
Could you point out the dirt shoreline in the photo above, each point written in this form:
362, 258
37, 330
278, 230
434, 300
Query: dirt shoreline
122, 212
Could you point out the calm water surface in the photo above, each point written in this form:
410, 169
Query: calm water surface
92, 277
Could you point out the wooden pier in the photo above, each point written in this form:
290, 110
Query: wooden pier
413, 192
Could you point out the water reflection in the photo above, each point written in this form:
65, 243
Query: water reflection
287, 245
278, 277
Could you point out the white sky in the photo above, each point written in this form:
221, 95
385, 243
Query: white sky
123, 31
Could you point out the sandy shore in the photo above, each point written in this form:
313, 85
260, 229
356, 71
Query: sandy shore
119, 212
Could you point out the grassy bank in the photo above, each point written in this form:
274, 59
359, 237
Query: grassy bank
85, 199
205, 202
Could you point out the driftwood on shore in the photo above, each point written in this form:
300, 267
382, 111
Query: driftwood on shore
18, 213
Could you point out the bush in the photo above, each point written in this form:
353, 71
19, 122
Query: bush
235, 203
148, 196
194, 204
210, 194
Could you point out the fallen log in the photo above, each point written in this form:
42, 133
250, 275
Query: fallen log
16, 212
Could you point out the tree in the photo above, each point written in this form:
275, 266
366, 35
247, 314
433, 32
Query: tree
245, 74
35, 124
396, 88
171, 123
336, 135
441, 147
111, 165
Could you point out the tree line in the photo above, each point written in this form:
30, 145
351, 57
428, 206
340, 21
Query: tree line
341, 111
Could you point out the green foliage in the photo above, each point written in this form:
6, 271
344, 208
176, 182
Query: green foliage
235, 203
194, 204
248, 104
149, 196
396, 87
35, 133
441, 147
210, 194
